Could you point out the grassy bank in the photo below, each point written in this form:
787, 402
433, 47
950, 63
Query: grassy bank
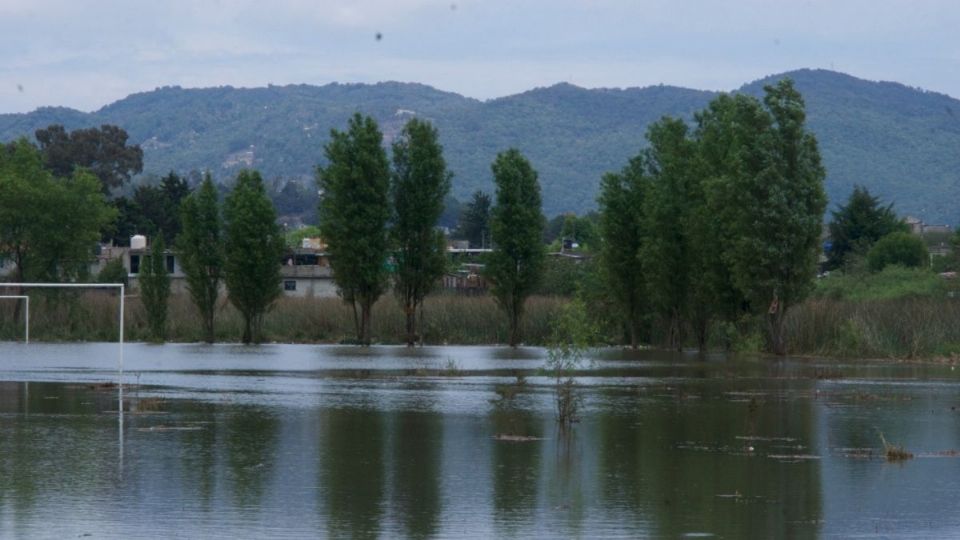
92, 316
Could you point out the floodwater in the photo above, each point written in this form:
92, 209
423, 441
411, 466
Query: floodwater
294, 441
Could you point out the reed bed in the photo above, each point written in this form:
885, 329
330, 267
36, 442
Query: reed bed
446, 319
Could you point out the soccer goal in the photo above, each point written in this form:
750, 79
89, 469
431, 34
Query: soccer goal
26, 312
120, 287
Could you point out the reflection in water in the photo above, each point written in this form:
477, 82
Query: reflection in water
737, 450
416, 467
352, 478
515, 467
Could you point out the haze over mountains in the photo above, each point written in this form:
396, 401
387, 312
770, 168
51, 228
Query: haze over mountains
902, 143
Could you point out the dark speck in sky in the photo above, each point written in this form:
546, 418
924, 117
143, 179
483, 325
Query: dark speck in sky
20, 88
379, 36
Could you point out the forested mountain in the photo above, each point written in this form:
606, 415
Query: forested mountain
900, 142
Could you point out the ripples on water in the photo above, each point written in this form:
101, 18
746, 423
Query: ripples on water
303, 441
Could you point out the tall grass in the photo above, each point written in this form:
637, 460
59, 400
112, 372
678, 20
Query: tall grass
909, 327
92, 316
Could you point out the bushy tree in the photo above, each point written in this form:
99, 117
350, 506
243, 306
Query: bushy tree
622, 237
770, 201
253, 249
898, 248
474, 225
155, 289
514, 267
419, 184
354, 210
48, 226
103, 151
201, 251
857, 225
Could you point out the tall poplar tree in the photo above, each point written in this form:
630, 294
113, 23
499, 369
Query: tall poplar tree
667, 253
420, 182
253, 249
155, 289
621, 202
354, 210
515, 266
201, 251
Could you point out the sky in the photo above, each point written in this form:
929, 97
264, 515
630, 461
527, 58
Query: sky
87, 54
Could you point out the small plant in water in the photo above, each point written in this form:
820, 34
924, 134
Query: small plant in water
893, 452
573, 335
451, 368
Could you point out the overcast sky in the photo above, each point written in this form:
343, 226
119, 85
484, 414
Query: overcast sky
86, 54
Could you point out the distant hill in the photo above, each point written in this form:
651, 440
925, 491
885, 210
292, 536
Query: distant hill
902, 143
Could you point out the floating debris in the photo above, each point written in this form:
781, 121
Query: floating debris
170, 428
516, 438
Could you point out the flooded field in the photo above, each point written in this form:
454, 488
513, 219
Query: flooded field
293, 441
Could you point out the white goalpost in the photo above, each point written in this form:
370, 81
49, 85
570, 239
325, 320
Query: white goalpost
26, 313
119, 286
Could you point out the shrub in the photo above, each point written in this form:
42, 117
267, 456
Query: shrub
899, 248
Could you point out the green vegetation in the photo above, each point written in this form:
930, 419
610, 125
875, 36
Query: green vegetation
92, 316
857, 225
898, 248
515, 266
48, 225
155, 289
890, 283
419, 184
353, 213
103, 151
253, 246
621, 227
201, 251
474, 223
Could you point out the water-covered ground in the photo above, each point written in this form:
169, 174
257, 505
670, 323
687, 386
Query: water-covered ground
304, 441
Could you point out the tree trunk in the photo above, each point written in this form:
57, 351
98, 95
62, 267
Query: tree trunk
775, 331
701, 330
208, 326
411, 311
247, 330
365, 324
514, 327
356, 321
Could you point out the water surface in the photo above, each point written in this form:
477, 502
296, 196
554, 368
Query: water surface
293, 441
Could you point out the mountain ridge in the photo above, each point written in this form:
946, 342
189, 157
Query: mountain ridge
900, 142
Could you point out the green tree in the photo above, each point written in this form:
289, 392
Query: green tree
253, 248
622, 237
113, 272
666, 252
773, 202
474, 225
857, 225
48, 226
420, 182
155, 289
102, 150
899, 248
515, 266
353, 211
201, 251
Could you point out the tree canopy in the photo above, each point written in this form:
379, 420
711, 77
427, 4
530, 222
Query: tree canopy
103, 151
